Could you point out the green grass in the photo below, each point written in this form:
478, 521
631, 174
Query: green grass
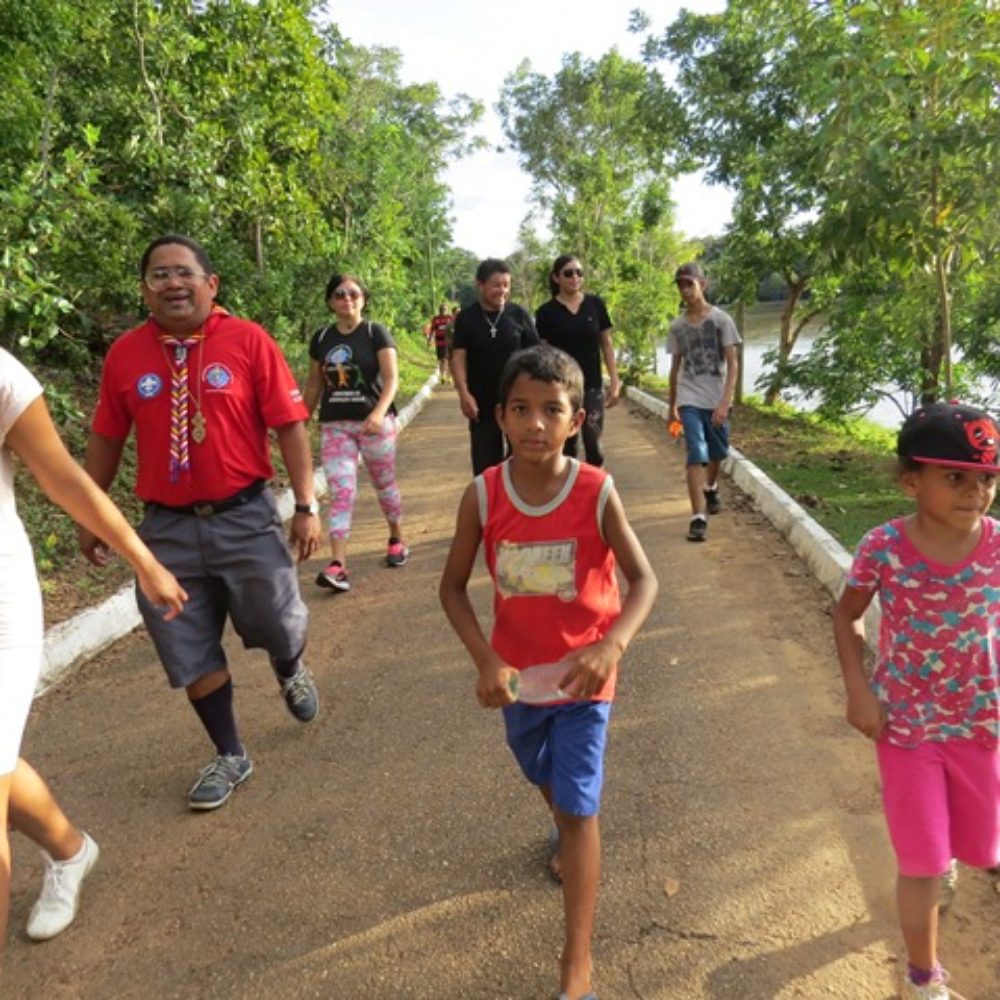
843, 474
416, 362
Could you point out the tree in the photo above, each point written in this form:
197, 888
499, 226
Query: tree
861, 137
282, 148
911, 151
744, 82
597, 140
391, 147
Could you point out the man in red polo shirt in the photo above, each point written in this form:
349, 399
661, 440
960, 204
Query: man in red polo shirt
202, 388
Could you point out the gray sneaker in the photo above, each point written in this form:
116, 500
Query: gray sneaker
299, 692
712, 502
697, 529
216, 782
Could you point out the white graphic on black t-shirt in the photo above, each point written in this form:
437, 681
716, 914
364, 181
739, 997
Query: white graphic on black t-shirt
345, 381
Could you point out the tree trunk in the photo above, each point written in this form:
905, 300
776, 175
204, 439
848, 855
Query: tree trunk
741, 326
944, 322
430, 273
144, 72
786, 339
930, 369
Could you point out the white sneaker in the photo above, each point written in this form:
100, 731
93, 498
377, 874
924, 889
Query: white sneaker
60, 896
932, 991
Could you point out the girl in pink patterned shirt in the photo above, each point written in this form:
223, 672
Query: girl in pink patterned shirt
931, 703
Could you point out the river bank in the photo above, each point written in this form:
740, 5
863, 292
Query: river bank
762, 323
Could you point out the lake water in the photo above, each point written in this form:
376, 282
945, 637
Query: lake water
762, 325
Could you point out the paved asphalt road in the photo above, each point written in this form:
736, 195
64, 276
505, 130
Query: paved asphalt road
390, 850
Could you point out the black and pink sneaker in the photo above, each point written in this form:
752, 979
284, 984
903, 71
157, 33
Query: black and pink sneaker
397, 553
334, 577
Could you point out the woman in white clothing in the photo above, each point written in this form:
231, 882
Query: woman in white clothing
26, 804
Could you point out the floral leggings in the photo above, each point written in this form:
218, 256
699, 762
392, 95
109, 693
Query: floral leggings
341, 441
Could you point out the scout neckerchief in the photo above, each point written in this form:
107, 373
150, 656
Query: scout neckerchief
181, 434
176, 349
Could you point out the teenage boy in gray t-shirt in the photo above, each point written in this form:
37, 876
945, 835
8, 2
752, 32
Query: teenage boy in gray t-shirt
703, 366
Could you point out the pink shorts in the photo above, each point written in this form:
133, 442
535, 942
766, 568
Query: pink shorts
941, 801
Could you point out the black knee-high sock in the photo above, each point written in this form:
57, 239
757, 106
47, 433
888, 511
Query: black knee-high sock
287, 668
216, 713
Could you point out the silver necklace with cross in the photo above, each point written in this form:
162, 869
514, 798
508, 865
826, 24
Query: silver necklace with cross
492, 324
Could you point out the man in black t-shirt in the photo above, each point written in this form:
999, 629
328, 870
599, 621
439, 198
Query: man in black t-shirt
486, 334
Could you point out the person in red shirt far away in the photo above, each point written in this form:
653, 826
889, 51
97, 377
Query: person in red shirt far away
437, 331
552, 529
202, 389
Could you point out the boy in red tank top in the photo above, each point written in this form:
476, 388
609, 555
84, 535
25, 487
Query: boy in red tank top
553, 530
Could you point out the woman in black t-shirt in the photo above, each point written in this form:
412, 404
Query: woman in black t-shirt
579, 325
353, 376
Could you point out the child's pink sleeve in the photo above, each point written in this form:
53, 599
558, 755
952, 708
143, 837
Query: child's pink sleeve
869, 558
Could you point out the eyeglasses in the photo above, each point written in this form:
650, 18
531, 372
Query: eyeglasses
685, 283
347, 293
572, 272
158, 279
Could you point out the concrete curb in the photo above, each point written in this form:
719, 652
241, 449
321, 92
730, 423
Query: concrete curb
824, 556
76, 640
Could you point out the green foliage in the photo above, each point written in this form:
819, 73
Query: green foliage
862, 138
911, 173
742, 81
284, 149
597, 140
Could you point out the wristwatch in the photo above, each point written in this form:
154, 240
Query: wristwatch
307, 508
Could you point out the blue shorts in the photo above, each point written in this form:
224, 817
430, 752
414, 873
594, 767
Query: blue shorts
562, 746
706, 442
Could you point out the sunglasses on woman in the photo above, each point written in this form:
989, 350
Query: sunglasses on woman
347, 293
572, 272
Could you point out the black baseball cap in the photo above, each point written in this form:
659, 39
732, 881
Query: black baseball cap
950, 434
691, 271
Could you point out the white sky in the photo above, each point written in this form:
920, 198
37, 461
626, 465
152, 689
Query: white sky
470, 46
